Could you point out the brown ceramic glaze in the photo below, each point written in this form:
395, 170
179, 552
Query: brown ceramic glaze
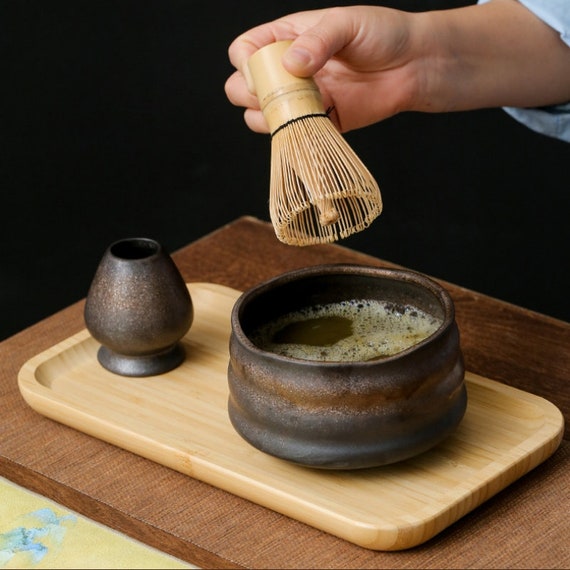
138, 307
345, 415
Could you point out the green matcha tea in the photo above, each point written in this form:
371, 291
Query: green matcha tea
347, 331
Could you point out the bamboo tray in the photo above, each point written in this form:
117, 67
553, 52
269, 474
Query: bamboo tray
180, 420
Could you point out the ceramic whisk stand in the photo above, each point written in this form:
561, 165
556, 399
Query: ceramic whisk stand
139, 308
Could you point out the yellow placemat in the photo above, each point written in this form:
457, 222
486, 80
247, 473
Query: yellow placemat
36, 532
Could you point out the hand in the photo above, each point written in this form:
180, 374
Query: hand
359, 56
373, 62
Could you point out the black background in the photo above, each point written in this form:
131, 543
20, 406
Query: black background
114, 123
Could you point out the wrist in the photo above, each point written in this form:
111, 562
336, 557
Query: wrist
489, 55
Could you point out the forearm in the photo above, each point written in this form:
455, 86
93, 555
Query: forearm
492, 55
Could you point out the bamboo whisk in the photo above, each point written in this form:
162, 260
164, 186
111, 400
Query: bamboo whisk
320, 191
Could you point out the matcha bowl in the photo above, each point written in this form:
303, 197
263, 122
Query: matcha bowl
345, 366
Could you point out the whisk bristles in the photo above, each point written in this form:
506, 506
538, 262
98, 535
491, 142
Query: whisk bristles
320, 191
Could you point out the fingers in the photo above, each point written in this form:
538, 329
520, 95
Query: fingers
244, 46
287, 28
240, 96
317, 36
238, 93
312, 49
255, 121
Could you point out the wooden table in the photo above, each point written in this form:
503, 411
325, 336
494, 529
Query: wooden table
524, 526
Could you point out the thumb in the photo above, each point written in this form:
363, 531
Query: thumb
311, 50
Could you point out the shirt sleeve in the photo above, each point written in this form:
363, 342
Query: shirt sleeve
552, 120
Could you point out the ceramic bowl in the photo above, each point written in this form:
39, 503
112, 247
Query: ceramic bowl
335, 414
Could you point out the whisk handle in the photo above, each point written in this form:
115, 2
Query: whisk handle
282, 96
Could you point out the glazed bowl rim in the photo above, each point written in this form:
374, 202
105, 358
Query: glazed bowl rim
398, 274
154, 251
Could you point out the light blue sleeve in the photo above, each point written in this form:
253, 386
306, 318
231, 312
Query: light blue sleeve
553, 120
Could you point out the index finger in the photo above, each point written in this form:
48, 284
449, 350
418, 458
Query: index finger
245, 45
286, 28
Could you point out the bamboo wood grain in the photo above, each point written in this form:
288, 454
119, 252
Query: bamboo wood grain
180, 420
282, 96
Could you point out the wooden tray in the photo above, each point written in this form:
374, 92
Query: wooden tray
180, 420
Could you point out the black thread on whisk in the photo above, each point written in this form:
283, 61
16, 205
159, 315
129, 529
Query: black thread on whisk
296, 120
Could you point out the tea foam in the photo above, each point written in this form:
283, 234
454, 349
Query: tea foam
378, 329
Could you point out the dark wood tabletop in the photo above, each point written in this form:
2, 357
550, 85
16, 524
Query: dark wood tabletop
524, 526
